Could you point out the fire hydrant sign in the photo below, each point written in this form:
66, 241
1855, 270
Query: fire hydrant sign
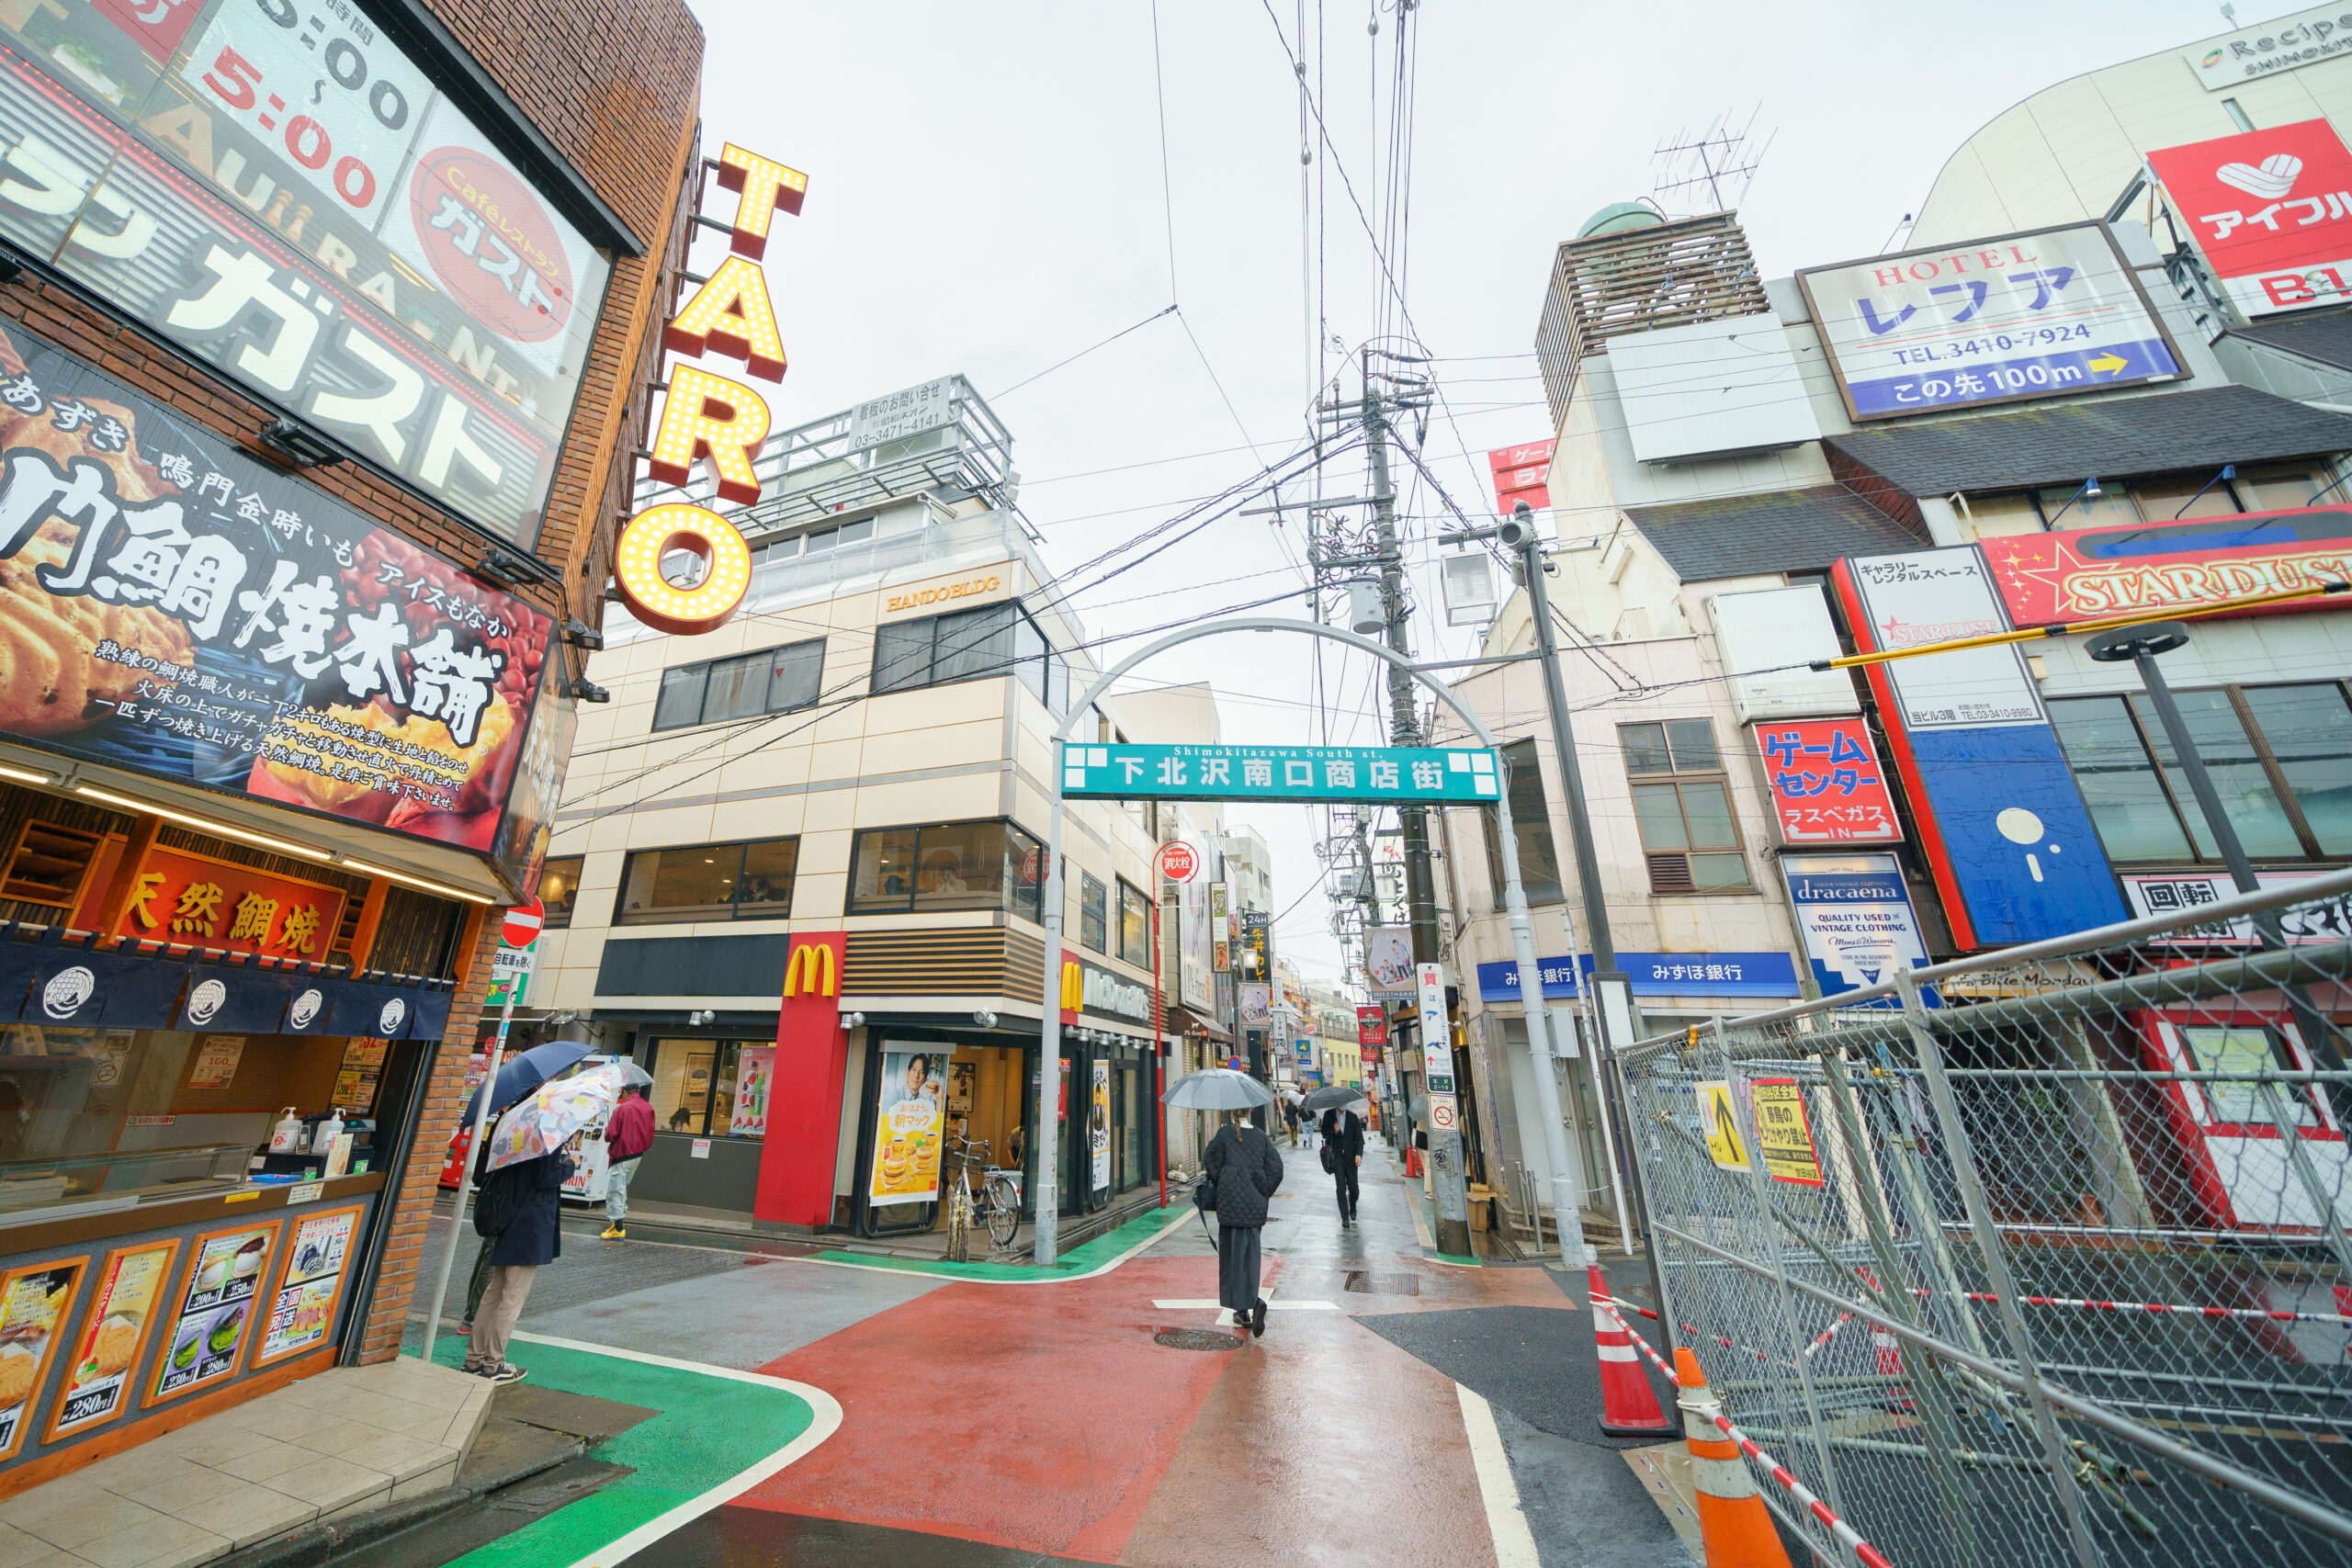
1178, 861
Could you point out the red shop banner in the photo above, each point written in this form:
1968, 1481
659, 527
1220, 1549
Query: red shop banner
1520, 473
1372, 1027
2271, 210
1828, 787
199, 901
2091, 572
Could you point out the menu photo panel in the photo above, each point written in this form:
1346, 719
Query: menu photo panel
310, 1285
214, 1309
114, 1338
34, 1301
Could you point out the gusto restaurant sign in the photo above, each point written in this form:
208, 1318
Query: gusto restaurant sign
713, 418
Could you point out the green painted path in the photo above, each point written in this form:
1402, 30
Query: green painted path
1110, 1248
717, 1434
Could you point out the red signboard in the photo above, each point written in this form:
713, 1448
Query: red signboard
2093, 572
1372, 1027
1826, 784
1520, 474
1178, 861
2271, 210
196, 901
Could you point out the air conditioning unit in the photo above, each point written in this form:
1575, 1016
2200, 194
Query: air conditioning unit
1468, 582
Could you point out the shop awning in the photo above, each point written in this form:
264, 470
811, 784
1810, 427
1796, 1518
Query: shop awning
1192, 1023
56, 977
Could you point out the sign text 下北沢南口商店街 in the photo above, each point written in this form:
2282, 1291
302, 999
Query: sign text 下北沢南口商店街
1375, 773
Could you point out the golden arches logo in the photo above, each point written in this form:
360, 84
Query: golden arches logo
1073, 988
809, 967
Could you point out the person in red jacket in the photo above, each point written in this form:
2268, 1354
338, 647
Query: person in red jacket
629, 1133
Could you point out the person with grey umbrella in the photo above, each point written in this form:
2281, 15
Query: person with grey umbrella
1246, 1170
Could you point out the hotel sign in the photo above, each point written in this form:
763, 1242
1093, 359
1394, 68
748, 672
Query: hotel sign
2093, 572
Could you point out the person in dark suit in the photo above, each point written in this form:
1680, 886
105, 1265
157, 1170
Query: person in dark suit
1343, 1136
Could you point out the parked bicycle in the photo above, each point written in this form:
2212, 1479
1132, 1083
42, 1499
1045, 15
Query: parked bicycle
998, 1208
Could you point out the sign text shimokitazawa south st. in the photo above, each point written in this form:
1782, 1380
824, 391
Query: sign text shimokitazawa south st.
1311, 773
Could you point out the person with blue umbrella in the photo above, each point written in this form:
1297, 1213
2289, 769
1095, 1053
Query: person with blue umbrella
521, 1072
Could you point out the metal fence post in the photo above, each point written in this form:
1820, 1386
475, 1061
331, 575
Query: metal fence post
1759, 1182
1966, 1177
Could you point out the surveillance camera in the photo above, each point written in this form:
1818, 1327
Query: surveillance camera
852, 1020
984, 1017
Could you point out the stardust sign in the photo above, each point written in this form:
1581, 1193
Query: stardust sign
713, 418
2271, 211
1307, 774
2048, 578
2049, 314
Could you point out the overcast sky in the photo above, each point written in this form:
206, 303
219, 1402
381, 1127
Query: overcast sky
986, 197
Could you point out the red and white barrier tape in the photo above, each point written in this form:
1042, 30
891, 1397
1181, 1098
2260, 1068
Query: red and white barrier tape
1861, 1549
2267, 1314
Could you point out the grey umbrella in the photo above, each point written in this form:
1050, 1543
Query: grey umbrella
1420, 1110
1217, 1089
1333, 1098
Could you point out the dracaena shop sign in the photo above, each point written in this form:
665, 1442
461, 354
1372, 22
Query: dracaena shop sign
277, 190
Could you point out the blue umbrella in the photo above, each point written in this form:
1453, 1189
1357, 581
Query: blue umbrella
525, 1071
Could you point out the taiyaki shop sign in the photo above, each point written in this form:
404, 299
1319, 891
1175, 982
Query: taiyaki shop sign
2271, 211
174, 608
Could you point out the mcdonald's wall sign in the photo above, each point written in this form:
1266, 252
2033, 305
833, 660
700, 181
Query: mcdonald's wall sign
796, 1159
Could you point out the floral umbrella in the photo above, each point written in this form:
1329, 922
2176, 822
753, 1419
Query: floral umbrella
546, 1119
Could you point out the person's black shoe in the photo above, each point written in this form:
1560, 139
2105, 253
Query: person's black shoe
1257, 1319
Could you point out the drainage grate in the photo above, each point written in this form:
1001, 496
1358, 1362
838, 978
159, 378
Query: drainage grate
1383, 1284
1194, 1339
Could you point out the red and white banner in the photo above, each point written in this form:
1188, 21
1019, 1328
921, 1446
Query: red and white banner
2272, 213
1520, 473
2090, 573
1828, 787
1372, 1026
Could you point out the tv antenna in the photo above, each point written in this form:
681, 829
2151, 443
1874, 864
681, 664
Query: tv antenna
1716, 160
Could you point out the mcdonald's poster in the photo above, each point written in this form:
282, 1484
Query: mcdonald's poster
908, 1125
754, 1078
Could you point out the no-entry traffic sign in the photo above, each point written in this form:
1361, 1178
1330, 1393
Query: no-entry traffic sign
1178, 861
521, 926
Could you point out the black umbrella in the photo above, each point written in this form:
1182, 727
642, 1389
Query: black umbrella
1333, 1098
525, 1071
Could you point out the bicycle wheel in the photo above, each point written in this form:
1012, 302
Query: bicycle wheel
1003, 1209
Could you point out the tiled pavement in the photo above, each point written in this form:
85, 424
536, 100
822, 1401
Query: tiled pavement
349, 1439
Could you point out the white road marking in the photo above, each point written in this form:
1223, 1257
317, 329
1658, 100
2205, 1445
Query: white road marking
1506, 1520
825, 1418
1271, 1305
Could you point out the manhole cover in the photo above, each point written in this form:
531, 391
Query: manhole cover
1194, 1339
1383, 1284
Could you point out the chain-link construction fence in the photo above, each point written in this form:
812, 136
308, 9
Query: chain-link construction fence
2039, 1258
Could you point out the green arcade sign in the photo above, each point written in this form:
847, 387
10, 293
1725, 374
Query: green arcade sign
1311, 774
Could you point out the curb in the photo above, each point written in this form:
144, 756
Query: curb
306, 1546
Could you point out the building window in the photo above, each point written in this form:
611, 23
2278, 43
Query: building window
775, 680
694, 1086
995, 639
1134, 925
2248, 1050
2280, 758
1093, 914
740, 881
558, 885
946, 866
1682, 803
1530, 822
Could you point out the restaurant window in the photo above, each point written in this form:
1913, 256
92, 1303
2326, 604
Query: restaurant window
558, 886
694, 1086
744, 881
2248, 1050
2280, 758
1093, 914
1134, 925
988, 865
1682, 804
1531, 821
968, 645
775, 680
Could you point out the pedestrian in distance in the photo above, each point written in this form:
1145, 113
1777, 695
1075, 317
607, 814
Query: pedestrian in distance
1246, 1170
1342, 1153
1290, 1115
629, 1133
519, 1205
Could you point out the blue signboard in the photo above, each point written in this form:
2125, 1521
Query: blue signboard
2016, 835
1307, 774
1855, 918
1988, 369
1657, 974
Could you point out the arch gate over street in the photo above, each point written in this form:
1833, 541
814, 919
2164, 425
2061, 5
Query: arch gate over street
1564, 1200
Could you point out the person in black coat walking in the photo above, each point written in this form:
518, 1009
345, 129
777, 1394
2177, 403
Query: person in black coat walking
522, 1203
1343, 1136
1248, 1170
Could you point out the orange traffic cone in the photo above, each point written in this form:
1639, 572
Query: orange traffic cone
1734, 1528
1628, 1408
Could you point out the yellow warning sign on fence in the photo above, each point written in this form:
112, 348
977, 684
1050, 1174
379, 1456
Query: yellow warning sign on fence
1785, 1131
1722, 1123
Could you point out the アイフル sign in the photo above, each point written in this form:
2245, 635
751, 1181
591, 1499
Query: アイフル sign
2049, 314
2271, 211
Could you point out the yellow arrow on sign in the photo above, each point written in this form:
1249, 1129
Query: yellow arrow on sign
2111, 362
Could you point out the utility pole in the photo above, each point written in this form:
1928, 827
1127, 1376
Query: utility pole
1450, 1182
